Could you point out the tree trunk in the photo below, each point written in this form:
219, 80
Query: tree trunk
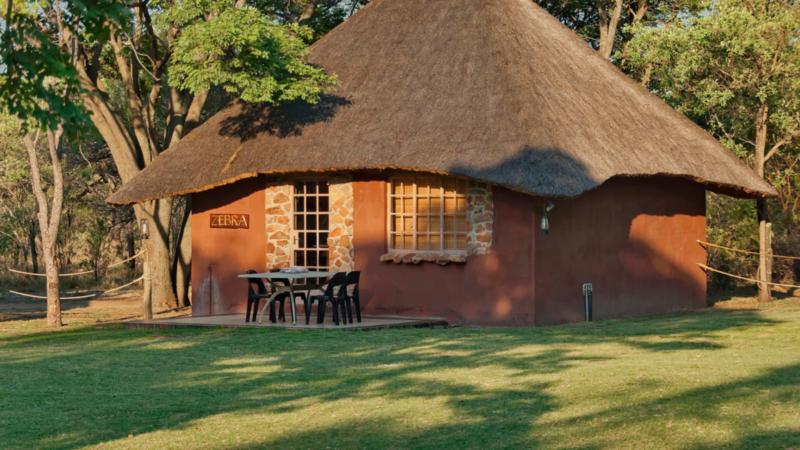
32, 245
308, 13
608, 28
764, 247
49, 217
131, 251
53, 295
183, 257
158, 214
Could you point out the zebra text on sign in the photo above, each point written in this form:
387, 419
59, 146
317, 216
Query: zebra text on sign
230, 221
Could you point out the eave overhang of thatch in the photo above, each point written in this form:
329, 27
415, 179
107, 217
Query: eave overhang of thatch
503, 94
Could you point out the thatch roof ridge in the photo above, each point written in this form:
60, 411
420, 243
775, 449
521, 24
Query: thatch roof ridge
499, 93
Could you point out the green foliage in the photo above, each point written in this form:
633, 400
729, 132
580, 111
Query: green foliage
716, 67
242, 51
40, 82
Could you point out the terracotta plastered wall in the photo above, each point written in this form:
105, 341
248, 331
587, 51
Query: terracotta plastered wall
340, 239
278, 195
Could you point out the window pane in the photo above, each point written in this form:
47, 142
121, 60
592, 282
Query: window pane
461, 205
435, 223
301, 240
450, 186
422, 205
449, 224
397, 223
311, 204
461, 187
311, 240
311, 258
408, 242
436, 205
323, 241
422, 186
323, 187
409, 224
408, 188
298, 204
408, 205
323, 259
397, 188
462, 224
311, 222
449, 205
397, 242
311, 187
298, 188
422, 223
461, 241
323, 221
299, 222
436, 189
422, 242
397, 205
449, 242
298, 258
324, 204
435, 242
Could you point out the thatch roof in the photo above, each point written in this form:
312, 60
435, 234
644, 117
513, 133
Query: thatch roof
496, 91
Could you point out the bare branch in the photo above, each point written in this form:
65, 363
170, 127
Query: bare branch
786, 139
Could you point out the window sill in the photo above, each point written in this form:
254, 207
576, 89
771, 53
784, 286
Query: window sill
415, 258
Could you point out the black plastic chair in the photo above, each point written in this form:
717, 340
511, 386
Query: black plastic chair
346, 299
329, 296
254, 297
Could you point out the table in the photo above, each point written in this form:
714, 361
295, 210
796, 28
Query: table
290, 288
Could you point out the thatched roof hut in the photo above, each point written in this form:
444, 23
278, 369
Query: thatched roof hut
500, 92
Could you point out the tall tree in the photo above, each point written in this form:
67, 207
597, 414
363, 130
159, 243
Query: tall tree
736, 70
605, 24
199, 44
38, 88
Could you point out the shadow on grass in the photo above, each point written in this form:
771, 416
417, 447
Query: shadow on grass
88, 386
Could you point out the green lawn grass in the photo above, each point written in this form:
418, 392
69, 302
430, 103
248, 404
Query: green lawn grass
710, 379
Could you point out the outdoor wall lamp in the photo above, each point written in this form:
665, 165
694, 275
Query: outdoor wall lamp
545, 222
144, 229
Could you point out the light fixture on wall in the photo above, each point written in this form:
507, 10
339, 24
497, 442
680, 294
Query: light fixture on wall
144, 229
545, 222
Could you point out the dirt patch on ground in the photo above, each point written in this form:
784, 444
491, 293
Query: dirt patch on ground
125, 306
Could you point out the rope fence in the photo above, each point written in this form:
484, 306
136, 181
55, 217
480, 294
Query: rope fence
705, 267
82, 273
79, 273
745, 251
711, 269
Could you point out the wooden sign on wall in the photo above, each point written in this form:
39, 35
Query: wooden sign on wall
230, 221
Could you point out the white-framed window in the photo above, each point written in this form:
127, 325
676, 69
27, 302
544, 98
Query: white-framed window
428, 214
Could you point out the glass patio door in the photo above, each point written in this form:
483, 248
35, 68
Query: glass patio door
310, 224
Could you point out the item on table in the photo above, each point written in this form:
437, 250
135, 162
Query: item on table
294, 270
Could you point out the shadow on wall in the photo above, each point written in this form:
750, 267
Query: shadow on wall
546, 171
633, 238
283, 121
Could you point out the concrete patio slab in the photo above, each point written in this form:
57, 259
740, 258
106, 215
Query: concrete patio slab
238, 321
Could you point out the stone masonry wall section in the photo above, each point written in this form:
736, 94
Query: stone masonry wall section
340, 239
279, 213
480, 213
